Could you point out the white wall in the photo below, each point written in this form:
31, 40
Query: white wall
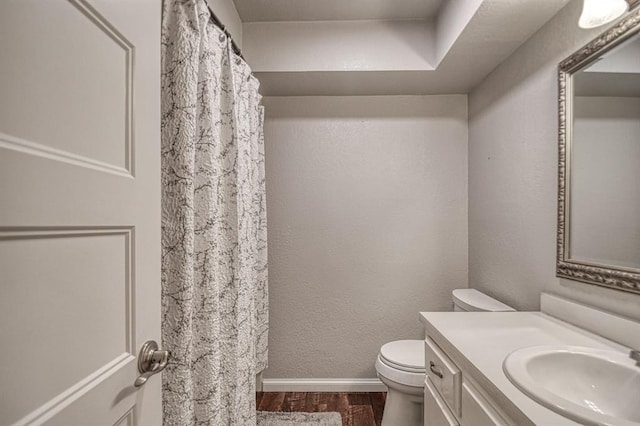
513, 175
226, 11
367, 205
453, 18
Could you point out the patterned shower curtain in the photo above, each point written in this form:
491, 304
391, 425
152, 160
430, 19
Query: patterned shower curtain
214, 241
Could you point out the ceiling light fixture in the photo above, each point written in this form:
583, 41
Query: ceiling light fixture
599, 12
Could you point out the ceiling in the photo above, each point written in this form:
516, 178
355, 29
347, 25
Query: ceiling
335, 10
383, 47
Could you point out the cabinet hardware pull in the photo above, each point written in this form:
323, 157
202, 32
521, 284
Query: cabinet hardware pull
432, 367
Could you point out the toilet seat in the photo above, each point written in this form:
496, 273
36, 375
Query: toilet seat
404, 355
398, 376
402, 362
401, 367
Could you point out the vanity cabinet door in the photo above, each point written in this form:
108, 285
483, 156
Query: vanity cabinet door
436, 412
444, 375
476, 410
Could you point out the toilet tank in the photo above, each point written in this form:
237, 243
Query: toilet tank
471, 300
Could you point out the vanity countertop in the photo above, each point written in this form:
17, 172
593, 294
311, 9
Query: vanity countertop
478, 342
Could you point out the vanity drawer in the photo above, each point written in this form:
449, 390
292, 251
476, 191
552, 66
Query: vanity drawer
476, 410
436, 412
444, 375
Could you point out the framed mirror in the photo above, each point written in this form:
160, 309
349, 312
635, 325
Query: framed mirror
599, 160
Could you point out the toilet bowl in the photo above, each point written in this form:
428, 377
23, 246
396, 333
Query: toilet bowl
401, 367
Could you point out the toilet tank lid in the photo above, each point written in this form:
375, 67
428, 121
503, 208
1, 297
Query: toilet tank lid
473, 300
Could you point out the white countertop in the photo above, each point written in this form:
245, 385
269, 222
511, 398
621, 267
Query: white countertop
478, 342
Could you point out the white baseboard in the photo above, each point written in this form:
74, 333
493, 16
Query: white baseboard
323, 385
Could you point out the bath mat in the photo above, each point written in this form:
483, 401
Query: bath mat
266, 418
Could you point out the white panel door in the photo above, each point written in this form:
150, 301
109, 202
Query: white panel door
79, 210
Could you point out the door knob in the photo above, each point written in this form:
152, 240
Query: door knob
150, 361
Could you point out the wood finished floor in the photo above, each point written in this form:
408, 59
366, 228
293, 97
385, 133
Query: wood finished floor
357, 409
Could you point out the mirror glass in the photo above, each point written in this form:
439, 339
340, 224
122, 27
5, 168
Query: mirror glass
604, 160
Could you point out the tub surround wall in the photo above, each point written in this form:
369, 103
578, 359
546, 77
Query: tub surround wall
367, 211
513, 161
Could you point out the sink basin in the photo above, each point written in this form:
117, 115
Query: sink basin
591, 386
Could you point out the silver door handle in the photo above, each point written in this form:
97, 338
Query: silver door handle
150, 361
432, 367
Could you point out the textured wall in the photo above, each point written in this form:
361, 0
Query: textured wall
367, 211
513, 175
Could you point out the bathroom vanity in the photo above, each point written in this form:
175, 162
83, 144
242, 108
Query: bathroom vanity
466, 382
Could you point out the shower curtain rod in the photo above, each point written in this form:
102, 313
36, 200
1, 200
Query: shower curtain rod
218, 23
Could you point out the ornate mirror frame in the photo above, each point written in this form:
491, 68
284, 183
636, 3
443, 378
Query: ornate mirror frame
608, 276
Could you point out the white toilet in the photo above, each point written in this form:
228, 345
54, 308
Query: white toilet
401, 367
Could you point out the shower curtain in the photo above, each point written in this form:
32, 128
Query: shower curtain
214, 247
